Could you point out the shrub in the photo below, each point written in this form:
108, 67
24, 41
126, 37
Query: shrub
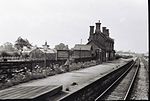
5, 54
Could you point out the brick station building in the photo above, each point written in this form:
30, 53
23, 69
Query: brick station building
101, 42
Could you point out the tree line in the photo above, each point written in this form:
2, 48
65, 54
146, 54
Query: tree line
8, 49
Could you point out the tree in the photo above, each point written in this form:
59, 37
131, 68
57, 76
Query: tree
20, 43
8, 46
1, 47
61, 46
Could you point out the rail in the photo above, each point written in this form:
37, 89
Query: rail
118, 80
132, 82
90, 91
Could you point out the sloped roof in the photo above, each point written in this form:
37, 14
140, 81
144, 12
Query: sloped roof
97, 44
82, 47
27, 50
48, 50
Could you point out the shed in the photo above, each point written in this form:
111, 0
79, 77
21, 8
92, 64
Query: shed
82, 51
63, 54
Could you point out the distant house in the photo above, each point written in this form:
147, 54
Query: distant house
43, 53
40, 53
26, 51
82, 51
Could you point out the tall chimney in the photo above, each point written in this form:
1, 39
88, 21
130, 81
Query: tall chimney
91, 29
98, 25
107, 32
104, 30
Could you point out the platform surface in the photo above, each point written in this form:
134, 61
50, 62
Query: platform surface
28, 92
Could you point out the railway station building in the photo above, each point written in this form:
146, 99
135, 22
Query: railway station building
101, 42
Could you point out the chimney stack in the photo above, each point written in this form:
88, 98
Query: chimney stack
107, 32
98, 25
104, 30
91, 29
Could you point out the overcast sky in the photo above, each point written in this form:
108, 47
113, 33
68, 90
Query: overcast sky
68, 21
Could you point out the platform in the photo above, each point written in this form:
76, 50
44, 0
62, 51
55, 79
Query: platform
28, 92
36, 88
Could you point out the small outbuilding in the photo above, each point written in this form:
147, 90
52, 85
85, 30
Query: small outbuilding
82, 51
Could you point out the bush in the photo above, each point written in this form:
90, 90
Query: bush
117, 56
5, 54
16, 54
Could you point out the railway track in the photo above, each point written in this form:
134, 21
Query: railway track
140, 89
120, 89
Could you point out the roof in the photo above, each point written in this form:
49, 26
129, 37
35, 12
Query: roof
99, 45
48, 50
110, 39
27, 50
82, 47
